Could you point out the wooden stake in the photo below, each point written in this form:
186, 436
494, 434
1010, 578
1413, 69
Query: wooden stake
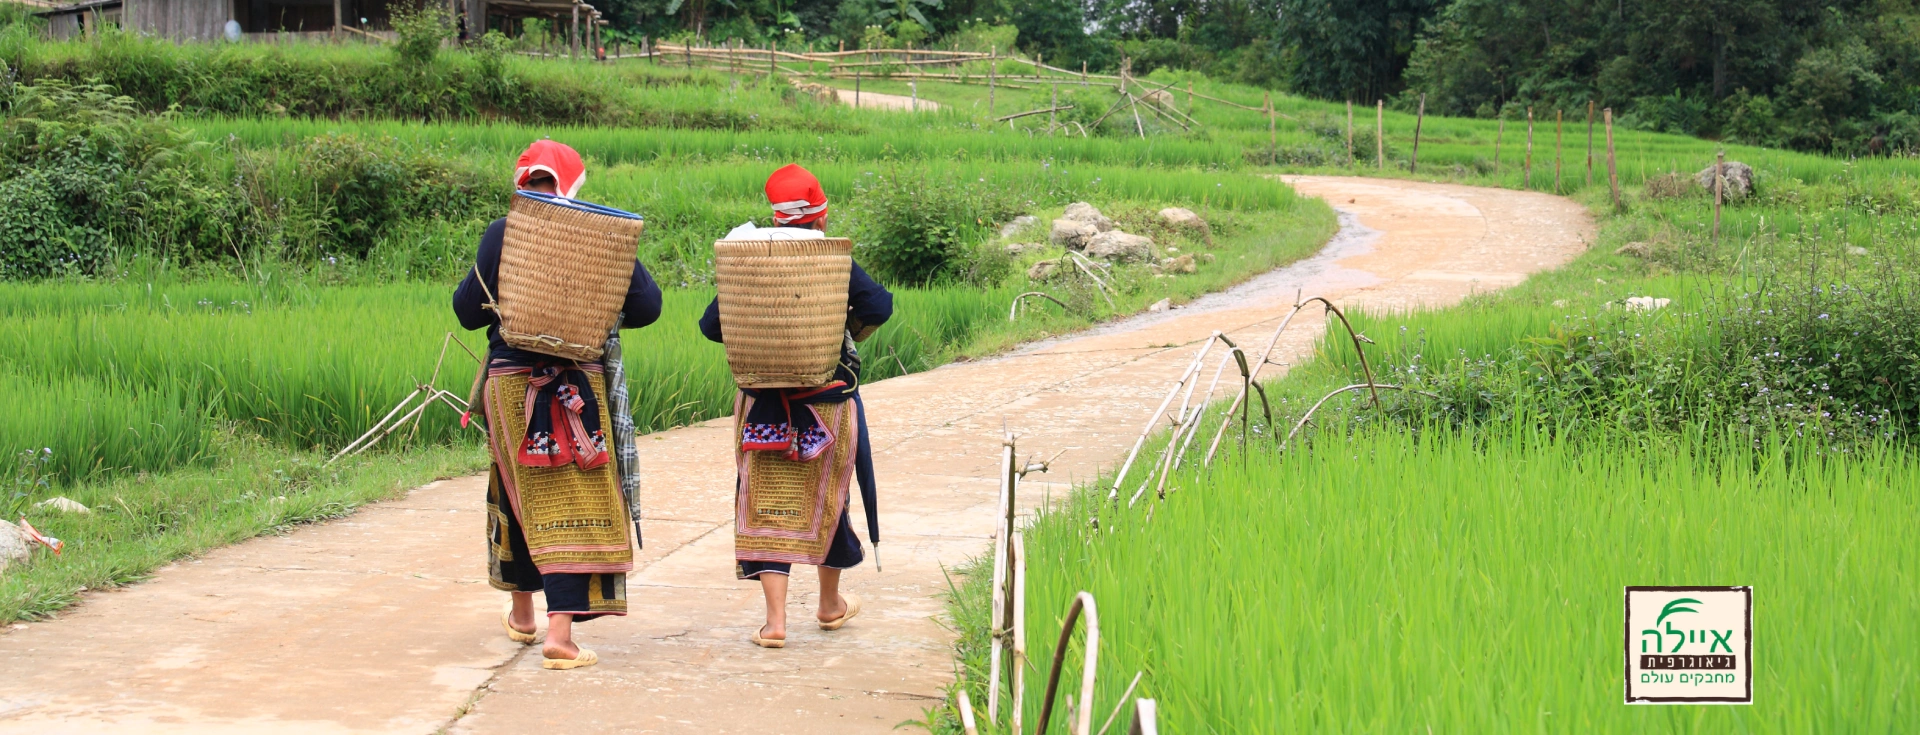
1527, 163
1272, 140
1559, 125
856, 89
1499, 131
1719, 193
1349, 127
1190, 100
993, 65
1083, 74
1589, 142
1613, 173
1053, 103
1380, 134
1413, 163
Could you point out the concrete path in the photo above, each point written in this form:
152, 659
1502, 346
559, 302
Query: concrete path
383, 621
879, 101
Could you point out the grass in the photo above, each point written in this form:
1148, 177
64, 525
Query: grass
1473, 583
140, 522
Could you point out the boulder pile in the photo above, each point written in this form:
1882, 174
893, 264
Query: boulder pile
1738, 176
1083, 228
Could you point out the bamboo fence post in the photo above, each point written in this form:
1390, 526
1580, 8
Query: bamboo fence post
1719, 193
1380, 134
1499, 131
1527, 162
687, 47
1589, 142
1190, 101
914, 88
993, 65
1613, 173
856, 89
1420, 117
1349, 128
1083, 74
1559, 127
1054, 104
1272, 141
771, 69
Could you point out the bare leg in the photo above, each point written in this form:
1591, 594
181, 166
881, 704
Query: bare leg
832, 605
775, 587
522, 617
560, 637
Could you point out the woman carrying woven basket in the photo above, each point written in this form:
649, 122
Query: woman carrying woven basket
556, 521
804, 442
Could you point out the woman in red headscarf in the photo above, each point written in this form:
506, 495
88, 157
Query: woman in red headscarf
581, 582
788, 421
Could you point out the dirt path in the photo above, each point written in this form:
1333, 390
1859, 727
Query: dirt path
383, 621
878, 101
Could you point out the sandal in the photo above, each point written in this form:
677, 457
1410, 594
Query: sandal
586, 657
506, 621
853, 608
766, 642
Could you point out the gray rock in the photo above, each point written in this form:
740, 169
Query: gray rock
1161, 305
1042, 270
1084, 212
1739, 177
1018, 225
1072, 234
1182, 264
1018, 248
1120, 246
15, 547
1182, 217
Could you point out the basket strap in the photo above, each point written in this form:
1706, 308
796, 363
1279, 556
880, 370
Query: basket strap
491, 305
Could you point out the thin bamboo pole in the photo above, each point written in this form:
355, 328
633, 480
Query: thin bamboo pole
1589, 142
1527, 165
1380, 134
1559, 129
1081, 721
1613, 173
1420, 118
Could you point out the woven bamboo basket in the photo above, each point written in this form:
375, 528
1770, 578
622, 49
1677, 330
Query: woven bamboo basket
564, 271
783, 308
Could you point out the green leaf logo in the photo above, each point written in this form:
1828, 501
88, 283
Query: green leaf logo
1676, 607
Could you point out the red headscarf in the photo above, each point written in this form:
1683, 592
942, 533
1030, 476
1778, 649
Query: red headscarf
796, 196
555, 159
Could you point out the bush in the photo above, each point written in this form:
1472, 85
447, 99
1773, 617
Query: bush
916, 227
422, 29
359, 189
83, 169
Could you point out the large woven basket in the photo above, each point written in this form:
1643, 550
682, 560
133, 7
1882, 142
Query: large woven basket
564, 271
783, 308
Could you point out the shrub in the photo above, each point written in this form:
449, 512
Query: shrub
83, 169
422, 28
360, 189
915, 227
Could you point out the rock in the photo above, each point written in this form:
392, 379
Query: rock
1120, 246
1180, 217
1635, 249
1161, 305
1018, 248
1084, 212
14, 545
1042, 270
1739, 178
1647, 303
1072, 234
1182, 264
1207, 258
1019, 224
1159, 97
62, 504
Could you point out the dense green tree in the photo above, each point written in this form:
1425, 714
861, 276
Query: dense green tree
1350, 49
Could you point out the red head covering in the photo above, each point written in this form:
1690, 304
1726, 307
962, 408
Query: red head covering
796, 196
553, 159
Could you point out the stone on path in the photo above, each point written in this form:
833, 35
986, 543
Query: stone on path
14, 545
